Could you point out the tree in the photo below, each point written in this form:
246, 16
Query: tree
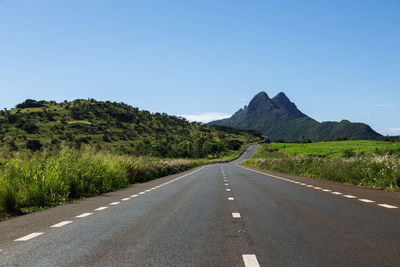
234, 144
304, 140
30, 127
34, 145
213, 148
30, 103
12, 146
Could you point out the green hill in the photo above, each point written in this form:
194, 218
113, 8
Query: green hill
279, 118
115, 127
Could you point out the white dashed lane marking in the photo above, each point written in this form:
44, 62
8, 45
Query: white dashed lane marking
236, 215
83, 215
366, 200
387, 206
28, 237
226, 184
61, 224
349, 196
250, 260
231, 198
337, 193
228, 189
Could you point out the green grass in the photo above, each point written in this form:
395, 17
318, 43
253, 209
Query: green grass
35, 181
364, 163
338, 148
31, 181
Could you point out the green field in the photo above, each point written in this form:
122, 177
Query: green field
364, 163
338, 148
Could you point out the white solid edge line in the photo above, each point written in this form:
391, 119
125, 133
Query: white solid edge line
61, 224
235, 214
191, 172
231, 198
83, 215
250, 260
27, 237
366, 200
141, 193
387, 206
325, 190
134, 195
101, 208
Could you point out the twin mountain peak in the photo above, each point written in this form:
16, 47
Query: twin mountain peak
279, 118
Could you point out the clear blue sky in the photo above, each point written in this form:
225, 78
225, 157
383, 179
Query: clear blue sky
334, 59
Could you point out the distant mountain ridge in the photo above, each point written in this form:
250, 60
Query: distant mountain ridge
279, 118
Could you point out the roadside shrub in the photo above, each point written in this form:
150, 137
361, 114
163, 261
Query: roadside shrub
348, 153
8, 197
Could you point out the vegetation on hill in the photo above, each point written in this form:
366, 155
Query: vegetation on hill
115, 127
279, 118
366, 163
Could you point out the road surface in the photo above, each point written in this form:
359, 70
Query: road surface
216, 215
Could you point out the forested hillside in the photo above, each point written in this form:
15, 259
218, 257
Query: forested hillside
116, 127
279, 118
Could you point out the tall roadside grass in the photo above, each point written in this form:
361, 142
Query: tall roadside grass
48, 178
365, 169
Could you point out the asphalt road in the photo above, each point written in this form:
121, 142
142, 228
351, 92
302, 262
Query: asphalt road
216, 215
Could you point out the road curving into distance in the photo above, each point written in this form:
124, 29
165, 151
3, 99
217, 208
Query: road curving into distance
216, 215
